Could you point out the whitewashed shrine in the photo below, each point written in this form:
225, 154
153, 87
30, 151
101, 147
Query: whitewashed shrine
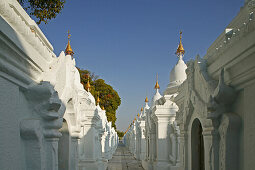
48, 120
205, 119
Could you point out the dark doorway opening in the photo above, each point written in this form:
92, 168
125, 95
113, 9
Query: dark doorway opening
197, 146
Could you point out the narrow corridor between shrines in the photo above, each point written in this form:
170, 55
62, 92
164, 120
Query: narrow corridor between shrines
123, 160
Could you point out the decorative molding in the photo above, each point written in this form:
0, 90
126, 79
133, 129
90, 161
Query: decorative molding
239, 30
15, 15
15, 64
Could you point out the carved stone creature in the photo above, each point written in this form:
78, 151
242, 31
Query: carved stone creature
222, 98
46, 104
41, 131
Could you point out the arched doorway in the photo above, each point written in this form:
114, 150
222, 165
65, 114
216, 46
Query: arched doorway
197, 146
63, 147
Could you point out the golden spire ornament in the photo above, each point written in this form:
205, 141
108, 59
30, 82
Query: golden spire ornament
146, 100
180, 50
157, 85
88, 86
141, 109
98, 100
69, 50
138, 115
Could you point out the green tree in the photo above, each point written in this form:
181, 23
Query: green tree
43, 10
120, 134
109, 98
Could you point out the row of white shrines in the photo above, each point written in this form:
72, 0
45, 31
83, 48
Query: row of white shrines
47, 120
205, 120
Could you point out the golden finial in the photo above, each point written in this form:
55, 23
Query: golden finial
180, 49
146, 100
135, 118
69, 50
68, 34
103, 108
98, 100
141, 109
157, 85
138, 115
87, 87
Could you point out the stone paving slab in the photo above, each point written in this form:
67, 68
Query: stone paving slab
123, 160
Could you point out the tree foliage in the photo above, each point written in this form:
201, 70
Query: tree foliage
120, 134
109, 98
43, 10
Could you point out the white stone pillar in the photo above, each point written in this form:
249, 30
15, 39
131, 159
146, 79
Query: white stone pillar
74, 159
51, 151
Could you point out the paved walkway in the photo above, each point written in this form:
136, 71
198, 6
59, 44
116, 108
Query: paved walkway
123, 160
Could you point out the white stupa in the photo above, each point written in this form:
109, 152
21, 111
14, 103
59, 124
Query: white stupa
178, 74
91, 97
97, 104
157, 95
146, 103
146, 107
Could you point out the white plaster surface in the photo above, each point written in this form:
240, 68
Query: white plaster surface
217, 91
39, 90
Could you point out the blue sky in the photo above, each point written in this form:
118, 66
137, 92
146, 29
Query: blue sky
126, 42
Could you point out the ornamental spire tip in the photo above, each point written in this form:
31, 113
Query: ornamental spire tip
157, 85
180, 50
68, 50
